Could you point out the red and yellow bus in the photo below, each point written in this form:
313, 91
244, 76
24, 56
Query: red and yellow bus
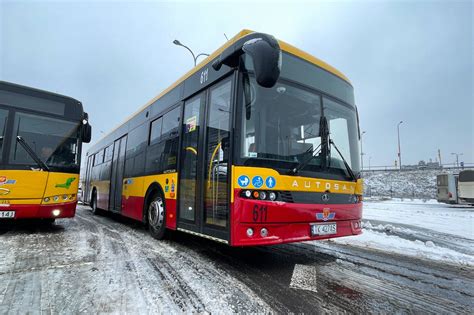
256, 145
41, 135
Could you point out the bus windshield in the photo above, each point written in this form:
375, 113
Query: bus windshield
280, 128
54, 141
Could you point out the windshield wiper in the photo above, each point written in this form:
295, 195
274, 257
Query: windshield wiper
32, 153
314, 153
348, 168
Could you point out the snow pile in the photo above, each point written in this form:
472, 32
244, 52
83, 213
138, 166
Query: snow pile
405, 184
426, 250
422, 229
431, 215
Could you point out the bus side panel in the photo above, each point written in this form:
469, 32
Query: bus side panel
466, 191
168, 183
102, 188
135, 189
133, 198
171, 214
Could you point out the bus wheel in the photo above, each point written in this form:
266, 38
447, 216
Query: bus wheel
156, 216
49, 221
95, 210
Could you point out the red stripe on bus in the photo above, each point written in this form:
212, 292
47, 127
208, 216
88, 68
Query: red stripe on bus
132, 207
171, 214
289, 222
28, 211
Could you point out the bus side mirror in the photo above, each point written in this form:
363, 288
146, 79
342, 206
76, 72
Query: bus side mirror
266, 58
265, 53
86, 133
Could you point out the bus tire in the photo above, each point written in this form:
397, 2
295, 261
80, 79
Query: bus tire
156, 215
49, 221
95, 210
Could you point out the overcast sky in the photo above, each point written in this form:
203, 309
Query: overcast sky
410, 61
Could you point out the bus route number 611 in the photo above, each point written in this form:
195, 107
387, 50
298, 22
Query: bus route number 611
204, 76
259, 213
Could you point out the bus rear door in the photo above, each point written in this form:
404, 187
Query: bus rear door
116, 180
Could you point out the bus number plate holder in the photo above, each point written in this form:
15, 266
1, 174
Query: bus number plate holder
7, 214
323, 229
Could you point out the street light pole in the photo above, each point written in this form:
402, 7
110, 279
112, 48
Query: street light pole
369, 161
399, 150
361, 152
195, 57
457, 158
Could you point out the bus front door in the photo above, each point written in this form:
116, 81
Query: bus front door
204, 177
87, 181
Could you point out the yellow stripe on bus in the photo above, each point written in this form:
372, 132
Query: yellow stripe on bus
292, 183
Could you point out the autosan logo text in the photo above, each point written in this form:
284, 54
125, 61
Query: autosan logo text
318, 185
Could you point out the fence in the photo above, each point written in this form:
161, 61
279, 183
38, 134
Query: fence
392, 168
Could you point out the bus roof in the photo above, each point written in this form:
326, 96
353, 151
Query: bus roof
14, 86
29, 98
283, 45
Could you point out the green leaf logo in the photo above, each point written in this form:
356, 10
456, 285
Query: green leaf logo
67, 184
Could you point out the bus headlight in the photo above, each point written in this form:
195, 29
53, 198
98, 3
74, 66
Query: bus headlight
46, 199
56, 212
248, 193
56, 198
263, 195
272, 196
263, 232
64, 197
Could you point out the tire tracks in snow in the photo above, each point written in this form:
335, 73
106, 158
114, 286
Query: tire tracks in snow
178, 274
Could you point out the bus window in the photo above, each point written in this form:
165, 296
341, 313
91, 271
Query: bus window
169, 135
108, 153
155, 132
135, 153
161, 155
54, 141
3, 126
343, 131
99, 157
154, 152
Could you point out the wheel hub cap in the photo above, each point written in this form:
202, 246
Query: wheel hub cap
156, 213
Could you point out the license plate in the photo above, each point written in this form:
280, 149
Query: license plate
7, 214
323, 229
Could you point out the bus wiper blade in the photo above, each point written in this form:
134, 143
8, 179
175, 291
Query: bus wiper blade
32, 153
314, 153
348, 168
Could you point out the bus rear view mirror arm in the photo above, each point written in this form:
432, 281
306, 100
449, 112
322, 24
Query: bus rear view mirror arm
86, 129
265, 53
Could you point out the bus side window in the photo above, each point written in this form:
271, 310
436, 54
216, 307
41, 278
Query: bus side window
170, 138
135, 152
163, 149
155, 131
154, 151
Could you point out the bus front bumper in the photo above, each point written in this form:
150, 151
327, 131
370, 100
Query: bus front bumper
289, 232
268, 223
36, 211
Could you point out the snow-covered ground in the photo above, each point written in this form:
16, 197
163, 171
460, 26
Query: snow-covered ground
407, 184
424, 229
